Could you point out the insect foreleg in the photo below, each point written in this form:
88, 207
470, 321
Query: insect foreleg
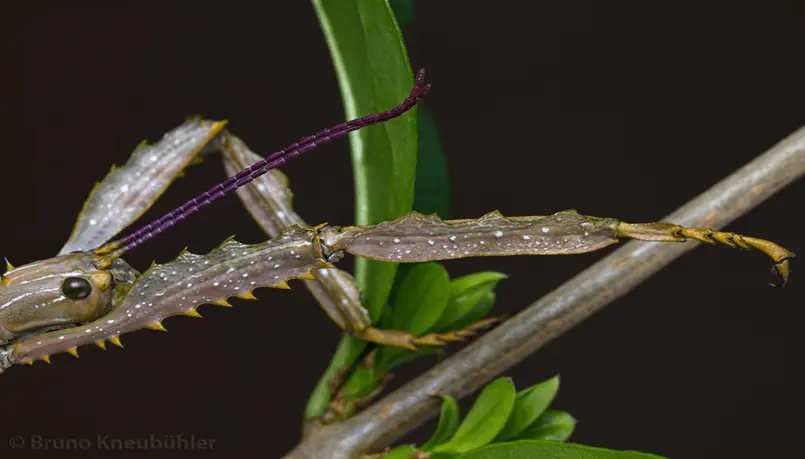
179, 287
417, 238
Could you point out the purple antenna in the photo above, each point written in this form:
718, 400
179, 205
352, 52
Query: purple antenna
259, 168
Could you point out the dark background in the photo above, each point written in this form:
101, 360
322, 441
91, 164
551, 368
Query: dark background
616, 109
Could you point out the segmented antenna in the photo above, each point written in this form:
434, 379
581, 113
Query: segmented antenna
113, 250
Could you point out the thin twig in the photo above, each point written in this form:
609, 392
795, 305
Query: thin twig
615, 275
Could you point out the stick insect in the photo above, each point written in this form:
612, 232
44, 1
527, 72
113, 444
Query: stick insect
89, 294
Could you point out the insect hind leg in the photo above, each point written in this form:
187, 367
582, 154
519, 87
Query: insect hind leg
406, 340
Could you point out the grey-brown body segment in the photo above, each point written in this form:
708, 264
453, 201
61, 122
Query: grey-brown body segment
417, 237
128, 191
179, 287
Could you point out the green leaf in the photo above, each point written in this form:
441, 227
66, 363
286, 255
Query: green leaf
471, 298
419, 302
552, 425
528, 406
448, 423
373, 72
486, 418
403, 11
443, 455
401, 452
421, 298
432, 187
531, 449
374, 75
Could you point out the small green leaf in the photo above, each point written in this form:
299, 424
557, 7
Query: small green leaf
448, 423
401, 452
419, 302
486, 418
536, 449
421, 298
528, 406
552, 425
371, 64
471, 298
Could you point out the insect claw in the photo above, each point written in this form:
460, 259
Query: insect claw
781, 270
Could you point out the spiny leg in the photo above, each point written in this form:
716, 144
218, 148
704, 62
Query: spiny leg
416, 238
128, 191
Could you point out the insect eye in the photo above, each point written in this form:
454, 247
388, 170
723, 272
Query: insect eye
76, 288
